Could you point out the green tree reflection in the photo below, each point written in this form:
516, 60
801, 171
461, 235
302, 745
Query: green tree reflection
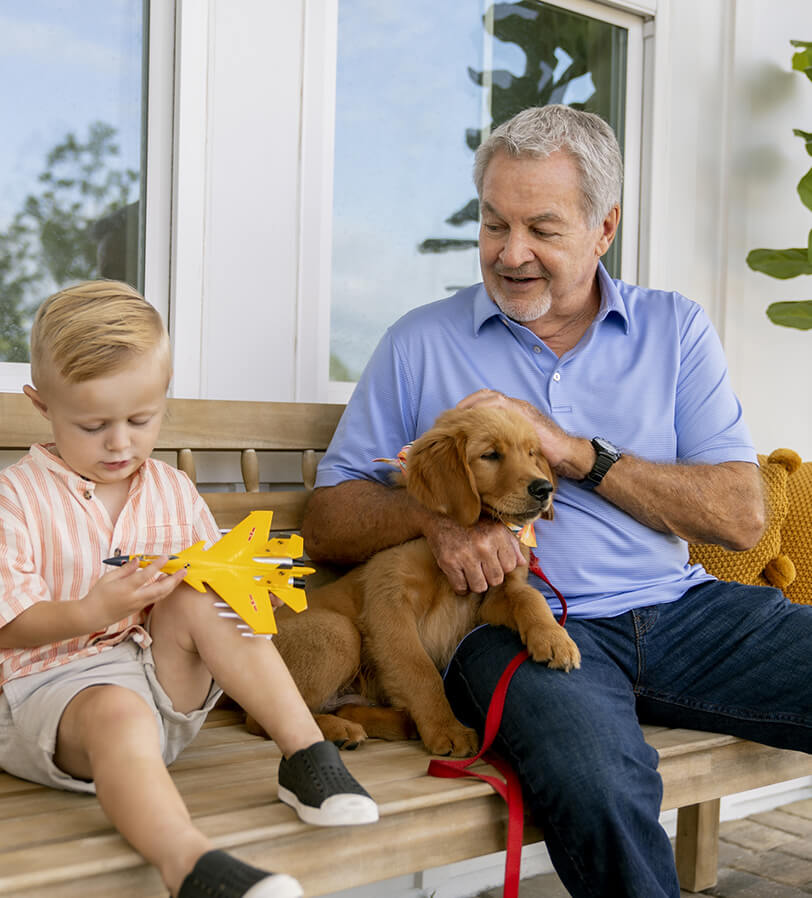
559, 48
81, 222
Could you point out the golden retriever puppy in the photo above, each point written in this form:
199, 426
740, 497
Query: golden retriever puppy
383, 631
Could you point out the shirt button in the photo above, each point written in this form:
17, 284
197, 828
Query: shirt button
536, 349
88, 494
557, 376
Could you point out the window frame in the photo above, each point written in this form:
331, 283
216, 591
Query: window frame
320, 39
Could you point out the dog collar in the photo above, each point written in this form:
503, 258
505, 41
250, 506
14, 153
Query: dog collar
526, 534
399, 461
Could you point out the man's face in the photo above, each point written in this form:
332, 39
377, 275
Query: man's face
536, 251
105, 428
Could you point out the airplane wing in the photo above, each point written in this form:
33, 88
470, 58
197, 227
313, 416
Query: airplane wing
243, 565
247, 597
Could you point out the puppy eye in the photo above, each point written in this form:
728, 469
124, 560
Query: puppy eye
491, 456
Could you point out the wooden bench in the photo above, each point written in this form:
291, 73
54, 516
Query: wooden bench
60, 844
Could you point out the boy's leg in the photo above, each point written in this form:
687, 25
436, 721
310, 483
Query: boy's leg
138, 795
192, 644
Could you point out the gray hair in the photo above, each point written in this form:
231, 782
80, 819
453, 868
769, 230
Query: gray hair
542, 130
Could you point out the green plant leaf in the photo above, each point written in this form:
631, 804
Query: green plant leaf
802, 60
780, 263
797, 314
809, 246
801, 43
807, 137
805, 189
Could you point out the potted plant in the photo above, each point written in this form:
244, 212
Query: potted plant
789, 263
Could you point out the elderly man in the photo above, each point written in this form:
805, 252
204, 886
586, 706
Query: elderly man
629, 392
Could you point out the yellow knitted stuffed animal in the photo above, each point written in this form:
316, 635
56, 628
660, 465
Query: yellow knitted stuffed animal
796, 532
770, 562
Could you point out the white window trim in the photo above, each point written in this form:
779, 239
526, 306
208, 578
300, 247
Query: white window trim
158, 168
316, 191
187, 288
312, 371
13, 375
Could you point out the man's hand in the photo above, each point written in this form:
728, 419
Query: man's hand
473, 558
568, 456
126, 590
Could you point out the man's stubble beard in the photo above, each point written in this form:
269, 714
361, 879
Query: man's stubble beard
523, 310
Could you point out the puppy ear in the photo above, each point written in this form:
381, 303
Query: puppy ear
438, 476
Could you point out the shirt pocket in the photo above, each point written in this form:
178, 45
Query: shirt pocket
165, 539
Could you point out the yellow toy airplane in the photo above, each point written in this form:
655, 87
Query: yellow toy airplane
242, 567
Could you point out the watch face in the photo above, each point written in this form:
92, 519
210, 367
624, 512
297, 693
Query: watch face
601, 444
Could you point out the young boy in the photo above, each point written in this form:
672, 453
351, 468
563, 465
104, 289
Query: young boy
106, 675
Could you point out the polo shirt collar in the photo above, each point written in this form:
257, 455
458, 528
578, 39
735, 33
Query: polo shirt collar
485, 308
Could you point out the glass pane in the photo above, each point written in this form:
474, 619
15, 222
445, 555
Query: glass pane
72, 108
417, 84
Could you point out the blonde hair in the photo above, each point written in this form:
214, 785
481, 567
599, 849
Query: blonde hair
92, 329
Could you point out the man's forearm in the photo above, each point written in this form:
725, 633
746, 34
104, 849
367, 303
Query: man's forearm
350, 522
721, 504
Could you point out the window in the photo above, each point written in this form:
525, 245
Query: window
417, 87
73, 155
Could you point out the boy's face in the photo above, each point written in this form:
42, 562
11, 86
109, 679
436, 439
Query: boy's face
104, 429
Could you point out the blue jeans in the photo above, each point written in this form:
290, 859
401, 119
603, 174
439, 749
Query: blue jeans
726, 658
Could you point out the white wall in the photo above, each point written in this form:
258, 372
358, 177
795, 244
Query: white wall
234, 295
725, 168
771, 366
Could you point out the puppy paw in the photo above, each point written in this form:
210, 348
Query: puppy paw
553, 646
346, 734
457, 741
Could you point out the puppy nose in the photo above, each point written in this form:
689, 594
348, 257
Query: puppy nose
540, 489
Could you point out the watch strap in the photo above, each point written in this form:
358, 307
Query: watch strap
605, 458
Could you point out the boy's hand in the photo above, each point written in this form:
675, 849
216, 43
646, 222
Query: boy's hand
127, 589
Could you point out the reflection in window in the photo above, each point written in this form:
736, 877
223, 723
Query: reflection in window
70, 158
418, 85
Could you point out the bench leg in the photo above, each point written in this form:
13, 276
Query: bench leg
697, 849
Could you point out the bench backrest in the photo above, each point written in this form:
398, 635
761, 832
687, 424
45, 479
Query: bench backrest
217, 425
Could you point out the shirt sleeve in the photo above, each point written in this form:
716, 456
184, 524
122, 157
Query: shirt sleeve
21, 584
709, 422
378, 422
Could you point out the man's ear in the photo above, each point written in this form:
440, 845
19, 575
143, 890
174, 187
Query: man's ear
608, 230
36, 400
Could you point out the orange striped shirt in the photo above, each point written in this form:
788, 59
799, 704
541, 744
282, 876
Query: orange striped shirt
54, 535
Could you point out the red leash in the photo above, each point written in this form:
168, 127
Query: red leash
509, 788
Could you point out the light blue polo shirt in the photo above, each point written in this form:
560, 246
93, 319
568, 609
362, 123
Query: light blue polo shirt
649, 375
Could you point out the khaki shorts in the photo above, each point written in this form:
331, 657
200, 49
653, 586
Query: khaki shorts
32, 706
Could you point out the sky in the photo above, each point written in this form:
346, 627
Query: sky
404, 99
63, 65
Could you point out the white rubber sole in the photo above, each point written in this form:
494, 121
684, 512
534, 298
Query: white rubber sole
338, 810
277, 885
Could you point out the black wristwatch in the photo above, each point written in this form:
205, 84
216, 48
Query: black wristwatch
607, 455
